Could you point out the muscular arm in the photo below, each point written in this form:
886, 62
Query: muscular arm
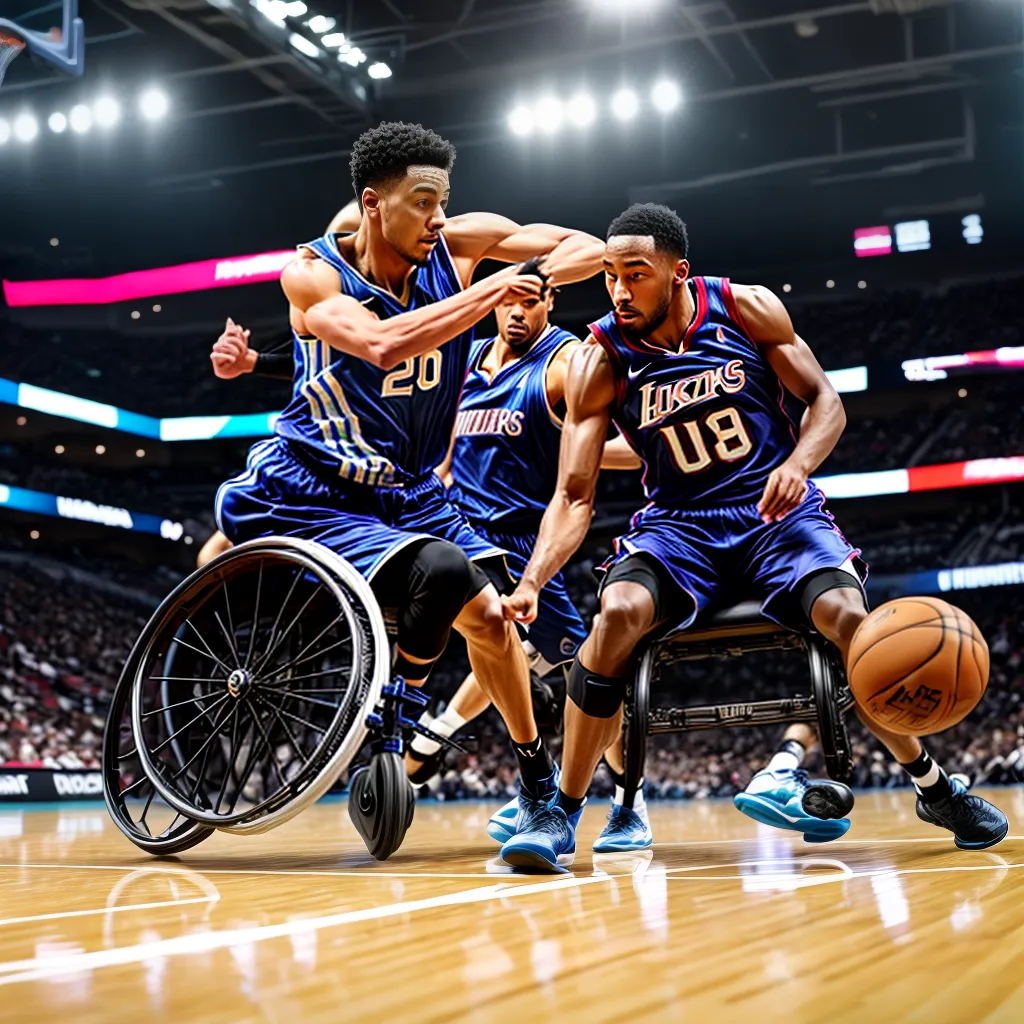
571, 255
589, 393
618, 455
319, 309
346, 219
823, 423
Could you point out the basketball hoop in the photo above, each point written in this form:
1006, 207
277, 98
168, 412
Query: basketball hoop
10, 46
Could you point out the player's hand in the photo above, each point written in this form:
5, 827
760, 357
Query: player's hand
786, 488
521, 605
231, 355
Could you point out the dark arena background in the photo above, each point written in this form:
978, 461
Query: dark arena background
864, 160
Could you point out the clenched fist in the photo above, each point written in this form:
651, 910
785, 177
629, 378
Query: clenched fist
231, 355
521, 605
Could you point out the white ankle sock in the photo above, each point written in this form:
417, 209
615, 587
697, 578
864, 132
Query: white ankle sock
783, 761
638, 797
448, 722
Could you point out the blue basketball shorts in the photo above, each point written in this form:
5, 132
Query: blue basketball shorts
279, 495
558, 629
729, 555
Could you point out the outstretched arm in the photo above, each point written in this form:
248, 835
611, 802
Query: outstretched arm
319, 309
571, 255
589, 393
768, 323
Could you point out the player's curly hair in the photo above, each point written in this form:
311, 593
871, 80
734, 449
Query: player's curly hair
381, 155
665, 226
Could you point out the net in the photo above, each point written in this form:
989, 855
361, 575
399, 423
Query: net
10, 46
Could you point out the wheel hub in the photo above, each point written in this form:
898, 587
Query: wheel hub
239, 683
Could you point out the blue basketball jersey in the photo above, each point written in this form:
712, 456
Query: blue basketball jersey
505, 458
708, 421
382, 428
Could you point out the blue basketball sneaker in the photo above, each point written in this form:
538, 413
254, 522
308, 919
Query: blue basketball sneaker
501, 826
975, 823
628, 829
545, 839
787, 799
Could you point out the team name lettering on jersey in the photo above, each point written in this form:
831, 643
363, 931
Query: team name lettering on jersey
660, 400
471, 422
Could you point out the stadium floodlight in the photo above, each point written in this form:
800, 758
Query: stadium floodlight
973, 231
379, 70
295, 9
862, 285
26, 127
352, 56
154, 104
106, 111
548, 113
787, 287
80, 118
273, 10
625, 104
830, 283
333, 39
5, 131
319, 24
520, 121
303, 45
665, 96
58, 123
581, 110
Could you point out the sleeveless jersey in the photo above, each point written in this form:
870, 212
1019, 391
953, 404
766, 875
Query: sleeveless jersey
709, 422
382, 428
505, 458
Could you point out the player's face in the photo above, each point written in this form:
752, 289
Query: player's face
641, 281
521, 323
412, 212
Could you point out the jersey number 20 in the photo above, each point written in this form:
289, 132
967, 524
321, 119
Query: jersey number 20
423, 372
686, 442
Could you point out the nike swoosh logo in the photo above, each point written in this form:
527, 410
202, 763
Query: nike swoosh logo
632, 374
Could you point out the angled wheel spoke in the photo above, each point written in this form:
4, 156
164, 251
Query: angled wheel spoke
308, 675
277, 619
203, 714
315, 640
134, 752
230, 639
134, 785
291, 739
319, 654
221, 719
255, 616
182, 679
229, 760
212, 657
145, 811
250, 764
179, 704
291, 626
209, 650
305, 721
270, 750
301, 697
231, 620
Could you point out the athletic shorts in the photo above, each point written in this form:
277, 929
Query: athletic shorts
279, 495
727, 555
558, 629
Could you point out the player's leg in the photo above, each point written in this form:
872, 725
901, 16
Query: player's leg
423, 758
216, 545
975, 823
628, 827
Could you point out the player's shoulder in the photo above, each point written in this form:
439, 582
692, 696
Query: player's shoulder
307, 279
761, 312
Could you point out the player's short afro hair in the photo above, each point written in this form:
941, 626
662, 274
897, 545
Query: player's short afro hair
664, 225
383, 153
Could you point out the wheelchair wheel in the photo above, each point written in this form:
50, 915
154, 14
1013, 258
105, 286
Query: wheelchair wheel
828, 683
129, 794
249, 697
636, 722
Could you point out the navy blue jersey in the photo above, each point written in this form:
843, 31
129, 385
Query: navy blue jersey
382, 428
709, 420
505, 458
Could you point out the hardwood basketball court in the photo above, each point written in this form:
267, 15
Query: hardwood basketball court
725, 921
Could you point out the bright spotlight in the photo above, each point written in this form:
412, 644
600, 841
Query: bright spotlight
625, 104
154, 104
5, 131
665, 96
379, 70
353, 57
58, 123
295, 9
334, 39
520, 121
319, 24
101, 449
581, 110
106, 111
26, 127
303, 45
549, 114
80, 118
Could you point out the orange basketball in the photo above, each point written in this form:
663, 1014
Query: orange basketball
917, 665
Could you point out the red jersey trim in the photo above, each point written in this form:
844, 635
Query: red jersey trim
614, 356
702, 312
732, 308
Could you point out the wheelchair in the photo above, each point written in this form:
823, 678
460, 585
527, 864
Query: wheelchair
247, 697
732, 632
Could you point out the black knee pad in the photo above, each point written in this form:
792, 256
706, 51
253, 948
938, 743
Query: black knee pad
595, 695
827, 579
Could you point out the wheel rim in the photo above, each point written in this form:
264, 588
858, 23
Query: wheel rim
249, 702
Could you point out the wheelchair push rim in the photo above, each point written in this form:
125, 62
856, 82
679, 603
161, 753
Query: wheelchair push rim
292, 686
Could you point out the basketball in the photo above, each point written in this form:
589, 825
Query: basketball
918, 665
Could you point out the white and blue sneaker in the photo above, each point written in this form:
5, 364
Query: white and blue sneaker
786, 798
501, 826
545, 840
628, 829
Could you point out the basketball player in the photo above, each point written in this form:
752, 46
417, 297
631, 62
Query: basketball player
382, 321
693, 372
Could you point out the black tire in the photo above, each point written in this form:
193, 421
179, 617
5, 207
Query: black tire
827, 682
635, 722
381, 804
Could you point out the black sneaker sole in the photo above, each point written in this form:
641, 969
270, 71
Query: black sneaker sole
826, 802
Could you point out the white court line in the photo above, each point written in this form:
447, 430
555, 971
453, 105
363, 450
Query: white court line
106, 910
40, 968
258, 871
781, 834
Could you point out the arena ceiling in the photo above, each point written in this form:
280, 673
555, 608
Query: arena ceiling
799, 119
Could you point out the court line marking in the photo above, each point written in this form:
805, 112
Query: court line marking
781, 834
40, 968
60, 915
259, 871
